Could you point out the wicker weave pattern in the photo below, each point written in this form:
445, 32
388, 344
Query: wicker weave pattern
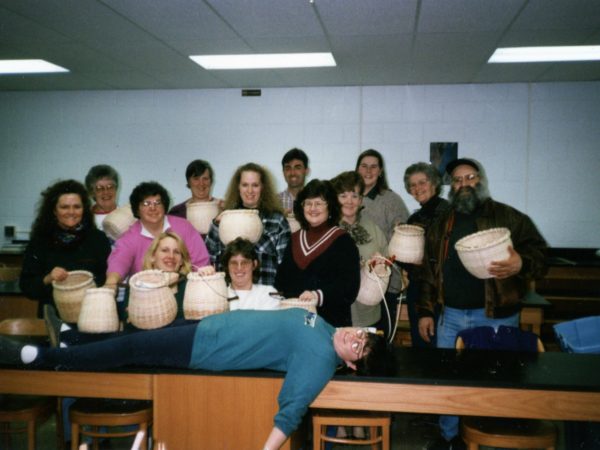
152, 303
9, 273
476, 251
407, 244
204, 295
98, 311
118, 222
373, 284
243, 223
68, 294
287, 303
201, 214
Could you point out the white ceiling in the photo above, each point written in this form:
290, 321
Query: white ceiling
144, 44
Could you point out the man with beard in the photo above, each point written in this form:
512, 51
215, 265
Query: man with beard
464, 301
295, 170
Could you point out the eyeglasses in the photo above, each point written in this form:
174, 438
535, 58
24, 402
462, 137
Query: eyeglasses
106, 188
467, 178
308, 204
244, 263
418, 184
149, 203
359, 347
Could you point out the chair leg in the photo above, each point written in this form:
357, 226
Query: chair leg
385, 438
31, 434
144, 429
74, 436
372, 434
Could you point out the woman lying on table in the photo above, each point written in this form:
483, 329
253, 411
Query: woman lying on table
306, 347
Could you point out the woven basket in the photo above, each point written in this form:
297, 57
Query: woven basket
98, 311
293, 222
407, 244
152, 303
204, 296
287, 303
9, 273
68, 294
373, 284
201, 214
244, 223
118, 222
476, 251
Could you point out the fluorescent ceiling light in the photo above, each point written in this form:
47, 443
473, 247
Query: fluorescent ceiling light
14, 66
264, 61
546, 54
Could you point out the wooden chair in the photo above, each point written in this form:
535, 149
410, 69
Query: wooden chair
89, 415
26, 409
378, 424
503, 432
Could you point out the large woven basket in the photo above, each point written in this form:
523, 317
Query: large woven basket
204, 295
244, 223
373, 283
98, 311
9, 272
68, 294
201, 214
476, 251
293, 223
152, 303
287, 303
118, 222
407, 244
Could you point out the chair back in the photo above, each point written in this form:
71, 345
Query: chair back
505, 338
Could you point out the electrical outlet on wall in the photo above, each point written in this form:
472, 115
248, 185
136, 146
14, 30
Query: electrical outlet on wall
9, 231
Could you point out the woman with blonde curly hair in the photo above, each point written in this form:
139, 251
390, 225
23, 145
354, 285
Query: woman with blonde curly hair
252, 187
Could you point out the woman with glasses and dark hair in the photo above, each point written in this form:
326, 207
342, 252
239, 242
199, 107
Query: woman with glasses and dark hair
199, 176
241, 266
251, 187
321, 263
102, 183
149, 202
63, 238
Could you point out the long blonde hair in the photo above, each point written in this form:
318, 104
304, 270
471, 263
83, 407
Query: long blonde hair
186, 263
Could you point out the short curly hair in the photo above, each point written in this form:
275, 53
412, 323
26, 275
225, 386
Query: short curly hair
432, 174
145, 190
318, 189
99, 172
245, 248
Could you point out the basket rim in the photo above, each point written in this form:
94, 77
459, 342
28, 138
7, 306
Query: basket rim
417, 230
195, 276
460, 244
190, 204
141, 273
240, 211
296, 301
58, 284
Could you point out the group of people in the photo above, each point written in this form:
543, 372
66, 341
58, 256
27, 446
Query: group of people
344, 222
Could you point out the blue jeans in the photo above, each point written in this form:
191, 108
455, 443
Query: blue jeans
450, 322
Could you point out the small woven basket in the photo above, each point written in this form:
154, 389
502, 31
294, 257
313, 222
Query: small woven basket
98, 311
204, 295
152, 303
244, 223
293, 223
68, 294
373, 284
118, 222
287, 303
407, 244
9, 272
201, 214
476, 251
